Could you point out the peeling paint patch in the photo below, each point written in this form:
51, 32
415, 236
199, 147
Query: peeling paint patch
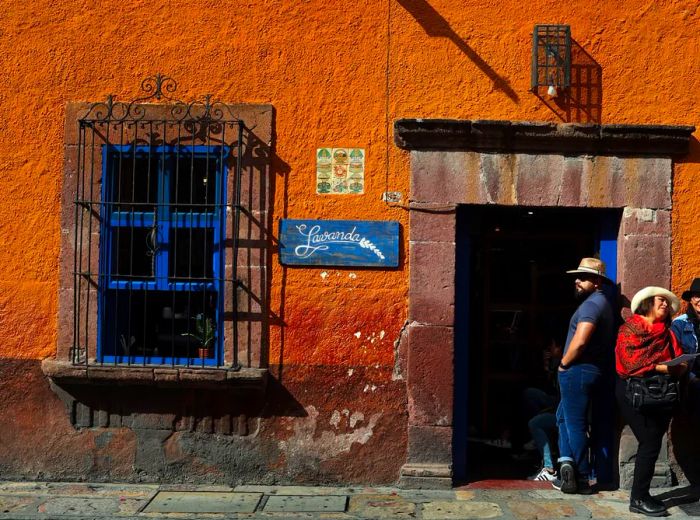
351, 371
355, 418
306, 443
352, 276
324, 274
382, 334
358, 334
335, 419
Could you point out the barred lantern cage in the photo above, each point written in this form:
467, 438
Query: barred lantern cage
551, 58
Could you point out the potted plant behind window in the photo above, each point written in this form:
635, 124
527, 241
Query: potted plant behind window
205, 335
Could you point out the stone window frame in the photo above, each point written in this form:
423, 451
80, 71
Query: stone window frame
252, 260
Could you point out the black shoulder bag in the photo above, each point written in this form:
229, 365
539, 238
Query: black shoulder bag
655, 393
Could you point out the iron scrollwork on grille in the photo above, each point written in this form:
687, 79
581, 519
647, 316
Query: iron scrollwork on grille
160, 88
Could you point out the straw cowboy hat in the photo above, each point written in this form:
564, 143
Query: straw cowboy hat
648, 292
591, 266
694, 289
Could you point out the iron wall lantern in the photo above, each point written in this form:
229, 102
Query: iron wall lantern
551, 58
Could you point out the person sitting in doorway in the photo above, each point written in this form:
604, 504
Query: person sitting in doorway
542, 421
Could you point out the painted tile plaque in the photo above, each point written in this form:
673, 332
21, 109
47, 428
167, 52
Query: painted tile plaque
339, 242
340, 171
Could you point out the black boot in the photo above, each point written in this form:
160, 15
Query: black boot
648, 506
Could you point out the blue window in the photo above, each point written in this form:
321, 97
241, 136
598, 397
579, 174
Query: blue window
160, 291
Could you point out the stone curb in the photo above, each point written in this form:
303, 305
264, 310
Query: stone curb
82, 501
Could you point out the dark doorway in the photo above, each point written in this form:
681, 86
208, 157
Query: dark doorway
513, 303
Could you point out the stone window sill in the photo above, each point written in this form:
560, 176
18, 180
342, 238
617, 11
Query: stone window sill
158, 376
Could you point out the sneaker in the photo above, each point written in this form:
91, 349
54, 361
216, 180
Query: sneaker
544, 475
567, 474
556, 484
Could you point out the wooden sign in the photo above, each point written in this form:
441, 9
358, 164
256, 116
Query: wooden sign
373, 243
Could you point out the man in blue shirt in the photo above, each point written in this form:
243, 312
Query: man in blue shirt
586, 376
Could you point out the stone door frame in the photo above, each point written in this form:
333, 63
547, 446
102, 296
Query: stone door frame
506, 163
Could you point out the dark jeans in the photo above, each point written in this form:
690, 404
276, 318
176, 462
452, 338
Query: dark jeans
577, 386
649, 429
692, 399
603, 416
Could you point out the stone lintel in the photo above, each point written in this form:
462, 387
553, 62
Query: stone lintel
539, 137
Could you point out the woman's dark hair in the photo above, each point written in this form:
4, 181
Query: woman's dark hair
646, 306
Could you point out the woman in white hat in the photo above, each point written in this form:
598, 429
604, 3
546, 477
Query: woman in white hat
645, 342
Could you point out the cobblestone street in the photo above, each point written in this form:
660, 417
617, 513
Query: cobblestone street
40, 500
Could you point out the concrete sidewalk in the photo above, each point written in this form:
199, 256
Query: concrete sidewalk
533, 500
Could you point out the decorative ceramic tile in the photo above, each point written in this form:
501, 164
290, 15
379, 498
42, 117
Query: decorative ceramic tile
340, 171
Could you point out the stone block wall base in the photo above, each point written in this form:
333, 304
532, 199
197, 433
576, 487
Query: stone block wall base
663, 476
426, 476
425, 482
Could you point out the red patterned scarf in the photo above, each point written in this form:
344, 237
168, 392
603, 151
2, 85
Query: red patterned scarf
641, 346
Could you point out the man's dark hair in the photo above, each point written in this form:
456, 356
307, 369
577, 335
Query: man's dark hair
647, 305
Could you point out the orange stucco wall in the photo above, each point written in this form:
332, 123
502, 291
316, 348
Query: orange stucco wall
338, 74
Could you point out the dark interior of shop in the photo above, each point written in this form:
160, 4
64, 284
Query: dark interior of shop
513, 304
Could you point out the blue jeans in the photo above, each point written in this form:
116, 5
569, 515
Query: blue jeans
543, 428
577, 386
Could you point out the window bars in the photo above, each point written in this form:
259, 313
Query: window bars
157, 213
551, 57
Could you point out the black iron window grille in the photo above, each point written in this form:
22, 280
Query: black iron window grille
551, 58
157, 212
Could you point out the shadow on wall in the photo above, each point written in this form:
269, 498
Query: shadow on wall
280, 173
256, 245
583, 101
686, 450
232, 411
256, 192
693, 156
435, 25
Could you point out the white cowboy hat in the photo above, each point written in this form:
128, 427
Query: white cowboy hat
591, 266
648, 292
